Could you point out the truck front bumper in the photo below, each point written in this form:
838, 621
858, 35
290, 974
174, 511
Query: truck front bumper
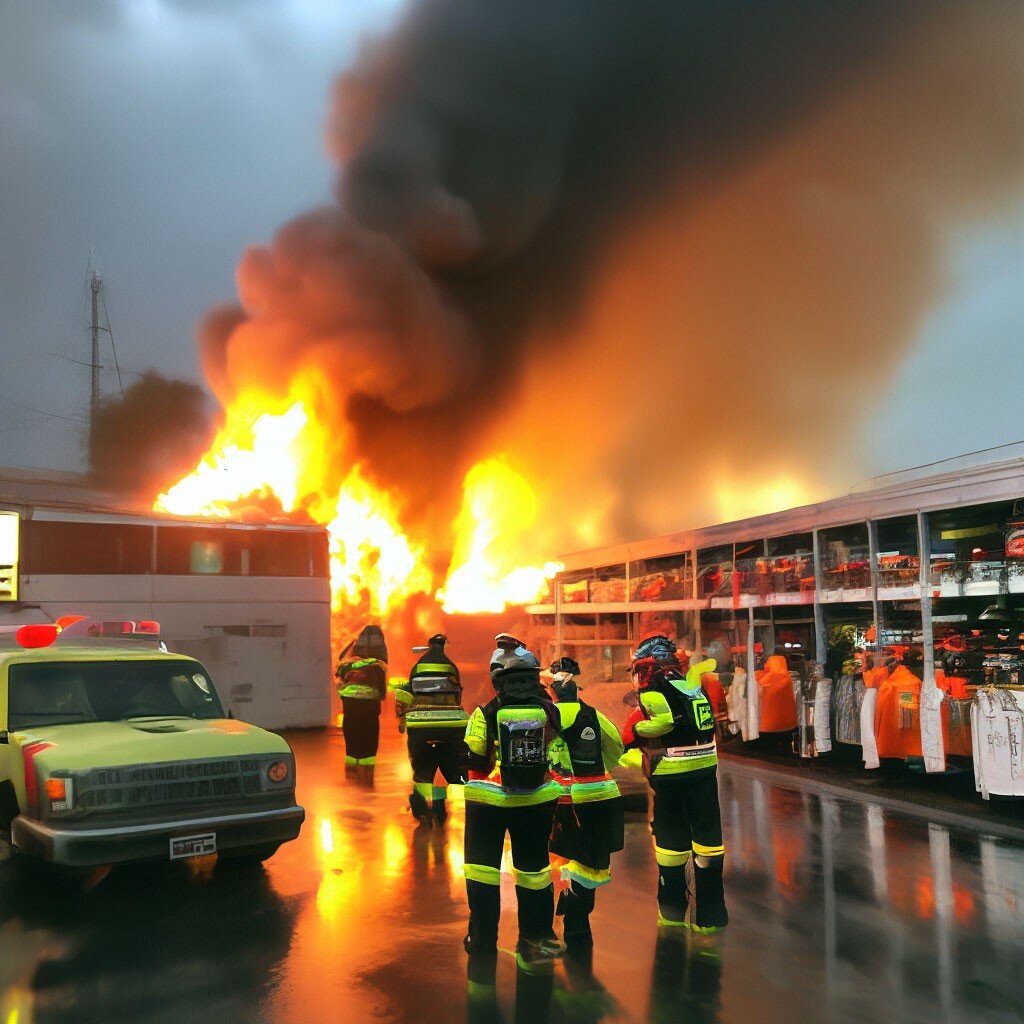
91, 847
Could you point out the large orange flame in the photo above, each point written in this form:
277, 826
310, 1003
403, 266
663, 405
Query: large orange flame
275, 452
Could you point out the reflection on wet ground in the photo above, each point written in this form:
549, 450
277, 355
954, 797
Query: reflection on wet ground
840, 912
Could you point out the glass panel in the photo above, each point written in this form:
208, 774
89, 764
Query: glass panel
845, 559
277, 552
791, 561
661, 579
714, 572
184, 550
969, 550
54, 548
899, 556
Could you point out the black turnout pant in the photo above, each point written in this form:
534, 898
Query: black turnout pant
436, 750
360, 726
528, 829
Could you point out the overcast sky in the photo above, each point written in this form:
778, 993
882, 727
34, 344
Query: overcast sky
165, 135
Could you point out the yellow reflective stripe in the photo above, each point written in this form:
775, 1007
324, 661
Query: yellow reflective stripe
586, 875
404, 696
482, 792
435, 723
398, 683
422, 670
680, 766
708, 851
367, 760
591, 792
670, 858
358, 692
533, 879
425, 789
482, 873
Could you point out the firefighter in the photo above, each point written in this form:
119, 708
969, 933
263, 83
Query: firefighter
429, 708
674, 728
362, 685
589, 820
510, 789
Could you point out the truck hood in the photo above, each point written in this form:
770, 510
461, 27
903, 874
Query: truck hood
148, 741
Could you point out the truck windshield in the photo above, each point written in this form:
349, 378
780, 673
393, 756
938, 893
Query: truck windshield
61, 693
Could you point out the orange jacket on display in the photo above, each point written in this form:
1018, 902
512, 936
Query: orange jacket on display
778, 702
898, 715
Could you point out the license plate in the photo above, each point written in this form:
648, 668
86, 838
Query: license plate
193, 846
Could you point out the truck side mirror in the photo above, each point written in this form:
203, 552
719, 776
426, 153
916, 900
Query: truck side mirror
5, 736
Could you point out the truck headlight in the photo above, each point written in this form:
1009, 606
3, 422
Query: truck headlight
278, 771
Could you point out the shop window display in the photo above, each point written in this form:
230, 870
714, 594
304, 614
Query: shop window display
899, 559
714, 575
845, 563
970, 550
661, 579
791, 564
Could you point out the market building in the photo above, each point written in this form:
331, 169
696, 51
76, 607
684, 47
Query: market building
251, 601
894, 615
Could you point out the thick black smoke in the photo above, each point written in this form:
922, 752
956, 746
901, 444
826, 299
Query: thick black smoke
499, 158
148, 438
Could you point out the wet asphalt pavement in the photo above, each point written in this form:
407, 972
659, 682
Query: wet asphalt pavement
840, 912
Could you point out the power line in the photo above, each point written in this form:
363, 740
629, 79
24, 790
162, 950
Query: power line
113, 346
43, 412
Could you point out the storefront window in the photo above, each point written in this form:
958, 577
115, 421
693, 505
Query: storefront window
969, 550
752, 575
899, 558
714, 574
791, 562
845, 563
661, 579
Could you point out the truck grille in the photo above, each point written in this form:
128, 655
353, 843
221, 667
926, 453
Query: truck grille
154, 785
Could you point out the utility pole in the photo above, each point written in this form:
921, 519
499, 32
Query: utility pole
95, 284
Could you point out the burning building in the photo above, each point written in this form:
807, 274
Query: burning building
576, 250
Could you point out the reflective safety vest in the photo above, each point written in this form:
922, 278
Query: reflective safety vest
362, 680
677, 734
587, 747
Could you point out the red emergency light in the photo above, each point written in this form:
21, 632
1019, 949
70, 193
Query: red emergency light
40, 634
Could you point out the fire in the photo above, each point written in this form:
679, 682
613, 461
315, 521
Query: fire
277, 452
249, 457
372, 560
498, 506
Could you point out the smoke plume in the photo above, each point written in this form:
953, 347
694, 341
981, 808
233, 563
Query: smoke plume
147, 438
663, 255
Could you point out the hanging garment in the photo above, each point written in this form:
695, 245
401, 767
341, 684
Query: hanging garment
873, 679
997, 726
778, 701
898, 715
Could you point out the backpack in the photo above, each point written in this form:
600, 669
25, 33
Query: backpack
522, 736
583, 741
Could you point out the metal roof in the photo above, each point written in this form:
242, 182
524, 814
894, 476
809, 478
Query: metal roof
56, 494
963, 485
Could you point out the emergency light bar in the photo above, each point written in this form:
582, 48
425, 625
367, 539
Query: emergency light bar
80, 627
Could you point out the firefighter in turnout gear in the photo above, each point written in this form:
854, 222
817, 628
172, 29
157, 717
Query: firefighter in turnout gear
589, 819
674, 728
510, 789
429, 708
362, 686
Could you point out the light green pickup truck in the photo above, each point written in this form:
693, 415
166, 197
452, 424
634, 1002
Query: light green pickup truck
115, 751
